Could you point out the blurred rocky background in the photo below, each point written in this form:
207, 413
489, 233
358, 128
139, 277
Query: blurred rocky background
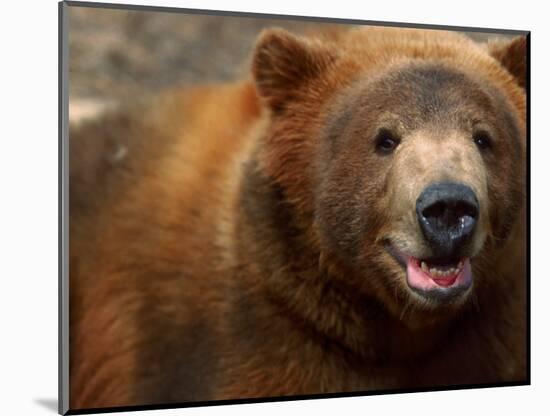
114, 55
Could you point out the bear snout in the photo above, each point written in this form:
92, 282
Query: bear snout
447, 213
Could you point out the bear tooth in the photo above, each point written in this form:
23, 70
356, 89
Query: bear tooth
424, 266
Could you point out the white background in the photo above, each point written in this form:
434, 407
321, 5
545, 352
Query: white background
28, 220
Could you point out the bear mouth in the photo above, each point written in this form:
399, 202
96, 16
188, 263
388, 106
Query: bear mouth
436, 279
425, 275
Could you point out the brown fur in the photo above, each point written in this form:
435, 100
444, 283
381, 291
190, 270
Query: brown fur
234, 250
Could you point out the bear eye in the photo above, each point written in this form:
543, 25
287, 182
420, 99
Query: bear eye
386, 142
482, 140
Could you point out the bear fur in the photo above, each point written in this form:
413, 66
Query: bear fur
227, 241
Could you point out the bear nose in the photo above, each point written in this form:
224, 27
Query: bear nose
447, 213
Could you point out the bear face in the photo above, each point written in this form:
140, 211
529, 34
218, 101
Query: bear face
402, 154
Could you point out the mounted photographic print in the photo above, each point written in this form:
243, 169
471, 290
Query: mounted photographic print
260, 208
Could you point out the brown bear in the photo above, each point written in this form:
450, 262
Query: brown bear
350, 219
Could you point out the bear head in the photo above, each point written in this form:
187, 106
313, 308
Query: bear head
401, 153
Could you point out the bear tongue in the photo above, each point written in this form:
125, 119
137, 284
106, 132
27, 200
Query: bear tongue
445, 281
419, 279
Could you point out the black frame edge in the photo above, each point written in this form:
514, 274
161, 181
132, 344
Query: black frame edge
63, 214
280, 399
528, 205
337, 20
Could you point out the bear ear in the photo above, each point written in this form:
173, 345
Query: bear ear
282, 63
513, 56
